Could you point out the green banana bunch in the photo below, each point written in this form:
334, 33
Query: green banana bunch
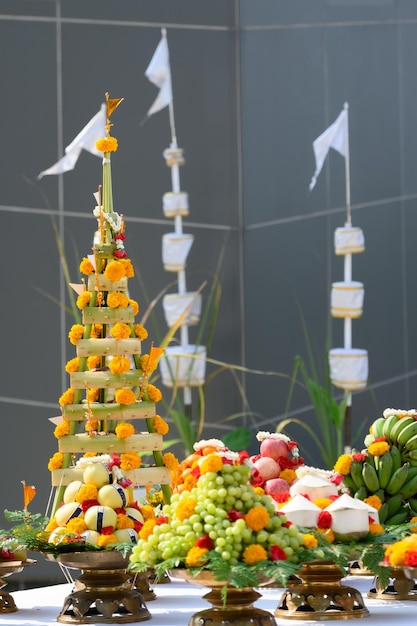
396, 458
388, 425
377, 426
394, 504
398, 518
409, 488
370, 477
397, 480
356, 474
404, 437
385, 469
399, 427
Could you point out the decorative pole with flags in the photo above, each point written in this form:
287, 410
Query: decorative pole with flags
182, 366
348, 366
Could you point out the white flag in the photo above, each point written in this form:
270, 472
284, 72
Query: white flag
336, 137
85, 140
159, 73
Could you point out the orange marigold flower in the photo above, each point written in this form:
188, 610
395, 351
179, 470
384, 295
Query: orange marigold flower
124, 396
185, 508
120, 331
107, 144
93, 362
147, 529
257, 518
67, 397
190, 482
134, 305
140, 332
91, 426
327, 534
62, 429
72, 365
373, 501
259, 491
96, 331
378, 448
129, 269
322, 503
93, 395
119, 365
210, 463
123, 521
195, 557
51, 525
117, 300
56, 461
130, 460
310, 541
343, 464
148, 512
124, 430
86, 267
105, 540
154, 394
160, 425
76, 333
86, 492
170, 461
413, 524
83, 299
76, 525
254, 553
375, 528
114, 271
288, 475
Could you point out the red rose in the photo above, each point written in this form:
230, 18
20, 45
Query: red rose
277, 553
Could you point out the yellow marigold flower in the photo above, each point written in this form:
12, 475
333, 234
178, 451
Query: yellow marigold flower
86, 492
124, 396
114, 271
76, 333
195, 557
140, 332
254, 553
378, 448
129, 269
154, 394
56, 461
83, 299
190, 482
62, 429
327, 534
96, 331
119, 365
120, 331
123, 521
91, 426
67, 397
76, 525
322, 503
343, 464
147, 529
148, 512
93, 395
107, 144
88, 455
134, 305
105, 540
130, 460
51, 526
86, 267
413, 524
160, 425
156, 499
375, 529
310, 541
117, 300
259, 491
93, 362
170, 461
72, 365
185, 508
373, 501
124, 430
288, 475
210, 463
257, 518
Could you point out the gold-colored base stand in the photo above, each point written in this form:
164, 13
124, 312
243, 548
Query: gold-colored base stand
239, 610
7, 568
320, 595
141, 583
7, 604
102, 593
399, 587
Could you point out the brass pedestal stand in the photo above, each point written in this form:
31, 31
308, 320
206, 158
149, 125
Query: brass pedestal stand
401, 586
320, 595
101, 593
7, 568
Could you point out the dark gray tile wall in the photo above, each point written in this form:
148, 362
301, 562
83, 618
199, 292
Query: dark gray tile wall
254, 84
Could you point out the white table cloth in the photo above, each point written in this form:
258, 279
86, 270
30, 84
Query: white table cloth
176, 602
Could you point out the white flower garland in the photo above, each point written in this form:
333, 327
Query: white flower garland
87, 460
114, 220
262, 435
411, 412
215, 443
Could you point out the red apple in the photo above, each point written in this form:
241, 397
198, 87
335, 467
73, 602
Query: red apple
267, 467
275, 486
274, 448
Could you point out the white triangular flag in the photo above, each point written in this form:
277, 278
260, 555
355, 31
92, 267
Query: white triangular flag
159, 73
336, 137
85, 140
